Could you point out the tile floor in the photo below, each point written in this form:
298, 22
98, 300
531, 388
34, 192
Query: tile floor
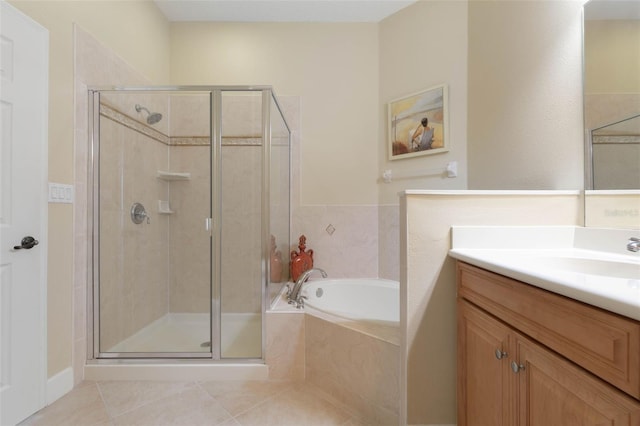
225, 403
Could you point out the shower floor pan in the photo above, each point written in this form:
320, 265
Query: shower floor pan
180, 332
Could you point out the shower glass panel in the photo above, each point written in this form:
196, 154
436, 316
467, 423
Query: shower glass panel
280, 202
154, 193
241, 178
190, 205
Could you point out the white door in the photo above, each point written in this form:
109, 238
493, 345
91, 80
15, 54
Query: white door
23, 213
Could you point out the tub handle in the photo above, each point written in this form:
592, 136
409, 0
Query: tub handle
299, 302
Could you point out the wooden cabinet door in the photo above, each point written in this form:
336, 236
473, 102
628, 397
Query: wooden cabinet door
485, 382
554, 392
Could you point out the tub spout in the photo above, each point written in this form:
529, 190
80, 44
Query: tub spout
294, 294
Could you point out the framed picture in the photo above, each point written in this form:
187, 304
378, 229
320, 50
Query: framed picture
418, 124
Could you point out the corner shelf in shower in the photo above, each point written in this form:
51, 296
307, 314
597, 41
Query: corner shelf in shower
172, 176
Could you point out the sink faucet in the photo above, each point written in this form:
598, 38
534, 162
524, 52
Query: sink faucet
294, 294
633, 244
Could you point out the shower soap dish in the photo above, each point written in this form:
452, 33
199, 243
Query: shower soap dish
164, 175
164, 208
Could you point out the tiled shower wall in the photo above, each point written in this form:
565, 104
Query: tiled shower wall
133, 257
171, 268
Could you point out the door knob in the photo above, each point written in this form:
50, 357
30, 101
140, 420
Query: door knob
26, 243
500, 354
516, 367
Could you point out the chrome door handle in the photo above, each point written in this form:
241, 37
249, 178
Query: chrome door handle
27, 243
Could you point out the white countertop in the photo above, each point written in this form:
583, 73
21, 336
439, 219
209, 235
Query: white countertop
586, 264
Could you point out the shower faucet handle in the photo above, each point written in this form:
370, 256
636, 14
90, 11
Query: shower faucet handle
139, 214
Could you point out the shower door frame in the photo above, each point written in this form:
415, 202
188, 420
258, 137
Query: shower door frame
93, 271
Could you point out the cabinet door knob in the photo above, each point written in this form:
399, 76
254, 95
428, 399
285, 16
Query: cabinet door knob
516, 367
500, 354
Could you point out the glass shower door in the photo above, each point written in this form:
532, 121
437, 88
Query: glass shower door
152, 171
241, 223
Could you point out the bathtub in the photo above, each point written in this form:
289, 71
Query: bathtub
352, 343
375, 301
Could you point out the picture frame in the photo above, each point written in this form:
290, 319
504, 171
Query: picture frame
408, 137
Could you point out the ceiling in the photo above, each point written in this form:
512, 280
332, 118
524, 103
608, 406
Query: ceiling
280, 10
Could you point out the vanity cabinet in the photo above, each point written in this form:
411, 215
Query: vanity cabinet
530, 357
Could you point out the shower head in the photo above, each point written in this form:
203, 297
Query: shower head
152, 117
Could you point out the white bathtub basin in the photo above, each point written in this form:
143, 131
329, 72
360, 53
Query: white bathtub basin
370, 300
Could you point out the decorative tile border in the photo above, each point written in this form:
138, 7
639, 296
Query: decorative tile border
204, 141
113, 114
616, 139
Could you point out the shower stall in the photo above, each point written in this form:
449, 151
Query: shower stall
190, 202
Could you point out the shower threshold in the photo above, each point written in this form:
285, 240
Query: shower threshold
186, 332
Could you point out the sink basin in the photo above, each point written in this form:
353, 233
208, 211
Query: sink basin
605, 268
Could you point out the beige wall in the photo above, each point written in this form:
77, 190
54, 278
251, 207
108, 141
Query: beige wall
422, 46
514, 71
333, 68
428, 286
132, 29
525, 95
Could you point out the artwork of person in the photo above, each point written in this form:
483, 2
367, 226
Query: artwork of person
423, 136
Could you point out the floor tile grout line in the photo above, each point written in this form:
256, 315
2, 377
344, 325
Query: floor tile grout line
315, 389
146, 402
104, 401
199, 385
256, 404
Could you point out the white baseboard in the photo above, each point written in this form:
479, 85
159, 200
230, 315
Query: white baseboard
59, 385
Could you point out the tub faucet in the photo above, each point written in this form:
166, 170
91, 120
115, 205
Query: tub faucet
633, 244
294, 294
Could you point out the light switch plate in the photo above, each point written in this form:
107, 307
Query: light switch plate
60, 193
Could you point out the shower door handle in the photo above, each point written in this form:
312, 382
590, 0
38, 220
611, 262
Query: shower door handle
27, 243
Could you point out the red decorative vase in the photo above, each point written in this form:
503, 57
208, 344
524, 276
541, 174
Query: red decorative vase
301, 260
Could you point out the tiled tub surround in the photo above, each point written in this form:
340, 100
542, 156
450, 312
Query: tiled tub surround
359, 370
357, 362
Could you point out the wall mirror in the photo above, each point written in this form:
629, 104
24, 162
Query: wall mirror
612, 93
612, 111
